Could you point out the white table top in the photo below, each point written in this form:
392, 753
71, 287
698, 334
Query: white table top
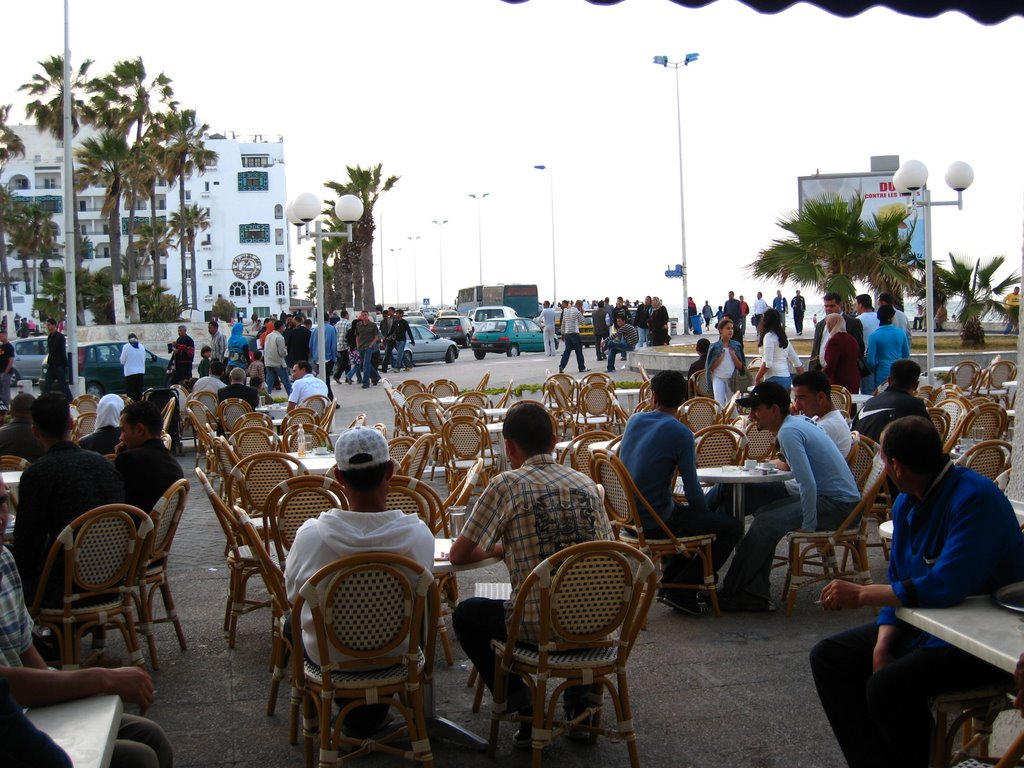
858, 399
984, 630
739, 475
12, 479
941, 369
442, 547
84, 728
316, 465
1010, 384
495, 413
447, 400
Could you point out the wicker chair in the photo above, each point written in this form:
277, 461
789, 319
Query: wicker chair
719, 445
13, 464
327, 417
506, 397
819, 548
464, 441
416, 497
594, 599
700, 412
416, 458
940, 420
254, 477
410, 387
760, 443
294, 501
98, 555
967, 375
315, 435
372, 609
444, 388
989, 458
318, 403
561, 407
280, 641
986, 421
577, 453
399, 446
253, 419
85, 403
622, 501
250, 440
597, 377
697, 386
207, 398
305, 416
957, 408
995, 378
478, 399
153, 570
595, 409
85, 424
842, 400
203, 423
241, 561
228, 412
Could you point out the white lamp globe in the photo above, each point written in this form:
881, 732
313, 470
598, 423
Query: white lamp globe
959, 176
912, 175
305, 207
289, 215
349, 208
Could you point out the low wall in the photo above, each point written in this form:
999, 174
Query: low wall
154, 336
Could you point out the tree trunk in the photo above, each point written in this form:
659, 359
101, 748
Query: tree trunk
181, 232
79, 249
133, 267
366, 269
114, 224
155, 253
5, 273
192, 260
352, 259
343, 281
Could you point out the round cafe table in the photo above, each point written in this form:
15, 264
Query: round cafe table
315, 464
737, 477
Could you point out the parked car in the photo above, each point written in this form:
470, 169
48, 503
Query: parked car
429, 347
480, 314
99, 366
28, 358
508, 336
455, 327
416, 318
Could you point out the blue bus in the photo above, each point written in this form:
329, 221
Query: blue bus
520, 297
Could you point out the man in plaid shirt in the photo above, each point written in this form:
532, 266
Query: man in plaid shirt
525, 515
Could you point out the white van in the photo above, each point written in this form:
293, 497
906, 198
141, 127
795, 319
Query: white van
479, 314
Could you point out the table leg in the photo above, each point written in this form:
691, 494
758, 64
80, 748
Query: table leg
739, 499
442, 727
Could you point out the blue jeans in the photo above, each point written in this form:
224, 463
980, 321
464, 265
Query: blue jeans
369, 372
617, 347
399, 356
642, 334
786, 382
278, 374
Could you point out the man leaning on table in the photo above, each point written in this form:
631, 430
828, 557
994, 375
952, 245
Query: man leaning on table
525, 515
954, 535
304, 384
141, 743
364, 467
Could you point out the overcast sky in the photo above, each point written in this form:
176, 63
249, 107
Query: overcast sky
466, 96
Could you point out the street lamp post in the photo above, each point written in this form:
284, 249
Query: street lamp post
302, 210
415, 288
440, 258
687, 60
480, 232
554, 263
395, 253
910, 179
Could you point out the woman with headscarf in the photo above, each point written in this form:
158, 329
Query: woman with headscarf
657, 325
238, 347
842, 354
108, 426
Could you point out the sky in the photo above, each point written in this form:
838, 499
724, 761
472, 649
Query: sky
467, 96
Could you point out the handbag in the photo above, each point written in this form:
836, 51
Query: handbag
741, 380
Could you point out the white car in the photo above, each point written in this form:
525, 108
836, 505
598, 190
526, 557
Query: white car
479, 314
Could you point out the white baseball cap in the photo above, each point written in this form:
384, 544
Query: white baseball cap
360, 448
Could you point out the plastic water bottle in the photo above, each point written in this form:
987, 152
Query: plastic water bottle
301, 441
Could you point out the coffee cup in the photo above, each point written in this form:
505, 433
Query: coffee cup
750, 464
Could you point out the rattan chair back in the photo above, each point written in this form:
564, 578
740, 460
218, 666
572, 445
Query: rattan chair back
85, 403
399, 446
304, 416
700, 412
761, 444
842, 400
577, 453
985, 421
246, 441
207, 398
254, 477
966, 374
417, 497
415, 460
296, 500
444, 388
315, 436
85, 424
411, 387
229, 411
253, 419
719, 445
989, 458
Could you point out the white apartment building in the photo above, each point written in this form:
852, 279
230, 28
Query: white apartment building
245, 254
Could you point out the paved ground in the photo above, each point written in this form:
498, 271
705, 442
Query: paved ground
707, 692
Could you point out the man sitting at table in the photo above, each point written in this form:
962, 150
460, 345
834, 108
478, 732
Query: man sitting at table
141, 743
654, 446
304, 384
827, 494
64, 483
897, 401
145, 464
364, 468
527, 514
238, 388
954, 535
16, 438
812, 396
214, 382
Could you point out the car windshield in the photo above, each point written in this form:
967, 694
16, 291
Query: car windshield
490, 326
447, 322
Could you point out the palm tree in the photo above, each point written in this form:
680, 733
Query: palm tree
127, 100
155, 241
47, 109
832, 249
185, 153
364, 183
189, 222
978, 294
11, 145
104, 160
33, 235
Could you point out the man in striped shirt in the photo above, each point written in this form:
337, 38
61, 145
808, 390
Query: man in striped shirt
622, 341
570, 328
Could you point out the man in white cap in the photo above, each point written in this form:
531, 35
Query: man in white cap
364, 467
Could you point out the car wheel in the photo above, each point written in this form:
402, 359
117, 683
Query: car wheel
451, 354
407, 359
15, 376
95, 388
479, 354
513, 350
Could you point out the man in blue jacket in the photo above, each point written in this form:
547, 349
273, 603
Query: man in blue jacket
954, 535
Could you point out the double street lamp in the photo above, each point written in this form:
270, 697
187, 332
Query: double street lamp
912, 179
664, 62
479, 231
300, 211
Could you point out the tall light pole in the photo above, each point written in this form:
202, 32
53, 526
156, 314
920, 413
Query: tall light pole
440, 258
687, 60
415, 288
910, 179
302, 210
70, 277
554, 264
395, 253
479, 232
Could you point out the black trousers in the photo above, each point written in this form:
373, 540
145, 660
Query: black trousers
133, 385
882, 718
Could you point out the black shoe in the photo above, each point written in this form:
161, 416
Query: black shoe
683, 602
584, 370
745, 603
523, 738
